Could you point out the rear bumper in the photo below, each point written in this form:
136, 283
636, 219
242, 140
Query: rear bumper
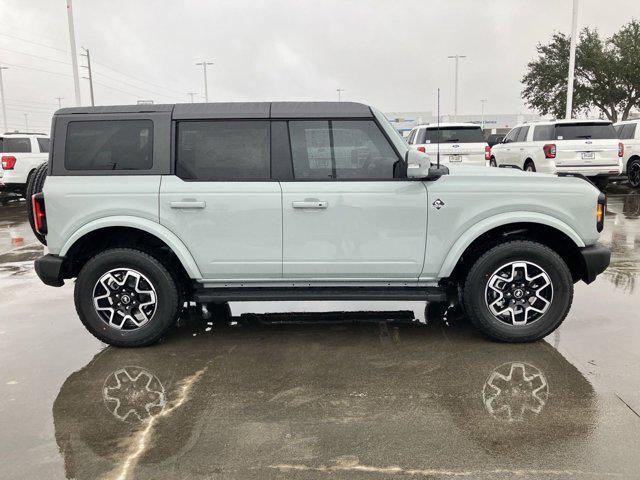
49, 269
597, 171
596, 259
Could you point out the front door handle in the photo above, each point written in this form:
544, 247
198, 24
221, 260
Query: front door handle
311, 204
186, 204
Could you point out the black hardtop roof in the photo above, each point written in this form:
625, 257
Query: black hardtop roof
236, 110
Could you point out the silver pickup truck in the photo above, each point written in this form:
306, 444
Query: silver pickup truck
153, 206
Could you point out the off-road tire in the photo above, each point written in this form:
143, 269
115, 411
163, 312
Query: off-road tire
167, 308
34, 185
480, 273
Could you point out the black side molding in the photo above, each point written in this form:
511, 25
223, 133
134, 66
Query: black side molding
225, 294
596, 260
49, 269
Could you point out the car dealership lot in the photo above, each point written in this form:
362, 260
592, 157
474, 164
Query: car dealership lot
351, 395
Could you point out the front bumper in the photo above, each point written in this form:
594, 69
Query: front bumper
49, 269
596, 259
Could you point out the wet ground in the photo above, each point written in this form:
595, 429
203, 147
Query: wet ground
370, 394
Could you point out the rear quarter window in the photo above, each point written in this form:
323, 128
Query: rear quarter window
16, 145
43, 143
542, 133
109, 145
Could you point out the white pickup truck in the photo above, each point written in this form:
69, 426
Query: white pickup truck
587, 147
457, 143
629, 133
21, 155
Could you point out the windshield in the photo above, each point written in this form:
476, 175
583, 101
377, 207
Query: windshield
454, 135
579, 131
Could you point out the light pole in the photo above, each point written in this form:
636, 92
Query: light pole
191, 94
455, 86
572, 59
59, 101
4, 107
482, 114
204, 71
90, 77
74, 55
339, 90
26, 123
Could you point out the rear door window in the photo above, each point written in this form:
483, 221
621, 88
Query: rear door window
626, 131
454, 135
109, 145
235, 150
412, 136
585, 131
43, 143
341, 150
16, 145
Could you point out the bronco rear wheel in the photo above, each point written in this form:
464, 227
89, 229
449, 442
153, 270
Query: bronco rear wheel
519, 291
126, 297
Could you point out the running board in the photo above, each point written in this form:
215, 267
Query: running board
246, 294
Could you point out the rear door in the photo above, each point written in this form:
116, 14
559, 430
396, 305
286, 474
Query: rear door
586, 144
222, 202
349, 213
503, 152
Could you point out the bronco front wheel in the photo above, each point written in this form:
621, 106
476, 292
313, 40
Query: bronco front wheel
519, 291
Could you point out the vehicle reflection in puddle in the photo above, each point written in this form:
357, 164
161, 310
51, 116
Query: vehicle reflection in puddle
622, 234
275, 392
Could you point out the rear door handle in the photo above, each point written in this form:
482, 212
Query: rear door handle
311, 204
186, 204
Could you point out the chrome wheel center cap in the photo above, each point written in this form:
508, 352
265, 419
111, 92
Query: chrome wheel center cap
125, 299
518, 293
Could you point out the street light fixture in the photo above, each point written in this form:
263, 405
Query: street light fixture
455, 86
204, 71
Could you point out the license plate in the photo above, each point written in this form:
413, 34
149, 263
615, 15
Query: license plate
455, 158
588, 155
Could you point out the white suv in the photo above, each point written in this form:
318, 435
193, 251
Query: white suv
587, 147
629, 133
21, 155
460, 143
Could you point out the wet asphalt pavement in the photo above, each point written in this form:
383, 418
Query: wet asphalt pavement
370, 394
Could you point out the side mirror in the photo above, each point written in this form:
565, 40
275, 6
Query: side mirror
418, 164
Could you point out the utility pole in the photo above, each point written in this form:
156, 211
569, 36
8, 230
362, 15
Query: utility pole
482, 114
339, 90
191, 94
74, 54
90, 77
204, 71
455, 86
4, 107
26, 123
59, 101
572, 59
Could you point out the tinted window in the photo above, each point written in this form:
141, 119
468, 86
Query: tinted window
345, 149
543, 132
16, 145
109, 145
454, 135
579, 131
211, 151
522, 135
43, 143
512, 135
626, 131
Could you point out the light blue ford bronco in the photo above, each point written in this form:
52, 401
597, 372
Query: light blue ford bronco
149, 207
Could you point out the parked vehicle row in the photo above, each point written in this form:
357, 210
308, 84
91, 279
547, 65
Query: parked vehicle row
22, 153
152, 206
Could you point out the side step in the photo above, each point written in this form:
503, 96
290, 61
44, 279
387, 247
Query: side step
246, 294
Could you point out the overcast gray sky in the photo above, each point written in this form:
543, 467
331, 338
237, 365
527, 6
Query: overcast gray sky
391, 54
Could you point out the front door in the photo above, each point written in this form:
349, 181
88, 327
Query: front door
348, 213
221, 202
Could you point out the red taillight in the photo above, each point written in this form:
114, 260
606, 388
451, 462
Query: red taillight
487, 152
620, 149
39, 213
8, 162
422, 149
549, 150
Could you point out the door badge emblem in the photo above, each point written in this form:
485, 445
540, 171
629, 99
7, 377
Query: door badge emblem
438, 204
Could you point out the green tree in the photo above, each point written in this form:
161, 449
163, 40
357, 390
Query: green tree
607, 74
